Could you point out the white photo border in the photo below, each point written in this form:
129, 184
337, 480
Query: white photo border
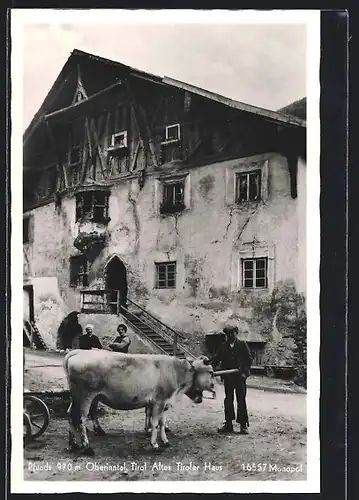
311, 18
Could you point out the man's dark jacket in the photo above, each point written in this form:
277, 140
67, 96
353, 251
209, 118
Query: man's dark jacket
237, 357
87, 342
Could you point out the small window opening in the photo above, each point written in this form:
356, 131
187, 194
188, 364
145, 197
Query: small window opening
166, 275
248, 186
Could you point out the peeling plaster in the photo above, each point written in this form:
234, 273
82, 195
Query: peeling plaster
206, 184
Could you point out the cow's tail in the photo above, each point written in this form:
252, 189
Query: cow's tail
67, 358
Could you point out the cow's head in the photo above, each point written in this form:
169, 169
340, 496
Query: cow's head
203, 379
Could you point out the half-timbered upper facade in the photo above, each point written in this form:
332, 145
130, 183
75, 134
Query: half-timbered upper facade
198, 196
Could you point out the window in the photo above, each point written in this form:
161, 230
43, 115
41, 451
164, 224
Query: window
248, 186
173, 133
92, 206
78, 271
26, 229
256, 350
173, 197
119, 140
255, 273
166, 275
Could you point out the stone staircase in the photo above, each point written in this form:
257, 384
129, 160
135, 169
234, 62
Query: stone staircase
33, 336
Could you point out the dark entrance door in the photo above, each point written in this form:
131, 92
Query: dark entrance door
116, 281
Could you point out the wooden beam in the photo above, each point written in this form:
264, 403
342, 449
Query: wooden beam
85, 158
134, 160
149, 135
157, 111
103, 169
82, 104
137, 125
59, 163
138, 109
64, 173
106, 135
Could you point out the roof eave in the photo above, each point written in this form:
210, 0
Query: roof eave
268, 114
272, 115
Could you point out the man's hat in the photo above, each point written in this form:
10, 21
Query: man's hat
228, 328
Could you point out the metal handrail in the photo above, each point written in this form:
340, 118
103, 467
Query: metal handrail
141, 332
145, 322
161, 333
156, 328
158, 320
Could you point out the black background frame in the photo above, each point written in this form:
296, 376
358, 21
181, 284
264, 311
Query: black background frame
334, 75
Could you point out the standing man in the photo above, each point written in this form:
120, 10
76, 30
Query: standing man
234, 353
122, 341
88, 340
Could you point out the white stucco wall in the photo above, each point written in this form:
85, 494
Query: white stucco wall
206, 240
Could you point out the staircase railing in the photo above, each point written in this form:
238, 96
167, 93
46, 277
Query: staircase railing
145, 318
134, 326
163, 330
100, 307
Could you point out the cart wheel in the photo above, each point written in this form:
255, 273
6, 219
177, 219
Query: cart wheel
38, 413
27, 435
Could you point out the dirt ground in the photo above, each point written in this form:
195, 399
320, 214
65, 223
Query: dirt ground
275, 448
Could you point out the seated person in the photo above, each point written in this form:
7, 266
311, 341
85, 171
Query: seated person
88, 340
122, 341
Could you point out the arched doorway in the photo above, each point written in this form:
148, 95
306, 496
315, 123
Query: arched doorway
116, 280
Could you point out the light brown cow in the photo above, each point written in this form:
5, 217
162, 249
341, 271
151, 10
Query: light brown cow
128, 382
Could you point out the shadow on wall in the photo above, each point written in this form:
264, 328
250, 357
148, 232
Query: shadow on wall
48, 316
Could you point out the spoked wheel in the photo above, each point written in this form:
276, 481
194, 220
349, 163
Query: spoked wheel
38, 414
27, 433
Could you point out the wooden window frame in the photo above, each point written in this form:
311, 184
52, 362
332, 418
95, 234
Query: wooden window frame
171, 202
89, 213
77, 278
254, 278
167, 137
113, 140
257, 352
248, 175
163, 283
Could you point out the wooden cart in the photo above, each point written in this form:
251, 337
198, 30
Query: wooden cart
36, 417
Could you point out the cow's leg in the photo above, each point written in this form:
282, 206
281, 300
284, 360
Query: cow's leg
74, 421
148, 416
157, 412
84, 411
162, 422
98, 430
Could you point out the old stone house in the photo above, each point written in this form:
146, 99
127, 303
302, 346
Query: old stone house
192, 202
